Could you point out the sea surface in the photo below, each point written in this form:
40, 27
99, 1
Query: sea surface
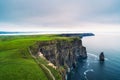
92, 68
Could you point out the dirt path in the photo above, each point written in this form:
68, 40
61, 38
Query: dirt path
42, 65
49, 72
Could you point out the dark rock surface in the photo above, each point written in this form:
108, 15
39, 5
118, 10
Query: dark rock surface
62, 52
101, 56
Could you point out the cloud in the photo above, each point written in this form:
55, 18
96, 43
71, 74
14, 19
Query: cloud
59, 10
42, 14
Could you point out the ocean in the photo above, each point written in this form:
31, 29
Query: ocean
92, 68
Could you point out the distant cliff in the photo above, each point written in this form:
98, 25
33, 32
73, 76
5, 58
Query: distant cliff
64, 53
81, 35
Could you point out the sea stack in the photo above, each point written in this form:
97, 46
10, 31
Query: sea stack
101, 56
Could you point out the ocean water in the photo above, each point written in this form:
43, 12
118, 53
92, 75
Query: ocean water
92, 68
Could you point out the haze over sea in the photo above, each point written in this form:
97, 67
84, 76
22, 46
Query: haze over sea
92, 69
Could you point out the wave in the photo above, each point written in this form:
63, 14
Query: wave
85, 73
88, 70
92, 55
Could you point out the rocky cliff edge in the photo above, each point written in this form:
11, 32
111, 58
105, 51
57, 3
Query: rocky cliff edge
64, 53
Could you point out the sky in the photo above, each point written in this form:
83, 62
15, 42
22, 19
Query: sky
60, 15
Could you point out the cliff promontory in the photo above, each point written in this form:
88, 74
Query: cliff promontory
60, 52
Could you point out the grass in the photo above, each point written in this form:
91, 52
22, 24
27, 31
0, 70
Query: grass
15, 61
54, 71
14, 67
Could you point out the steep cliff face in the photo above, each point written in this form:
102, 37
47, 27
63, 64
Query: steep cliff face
62, 52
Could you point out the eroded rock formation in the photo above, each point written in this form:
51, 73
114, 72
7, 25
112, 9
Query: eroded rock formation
101, 56
62, 52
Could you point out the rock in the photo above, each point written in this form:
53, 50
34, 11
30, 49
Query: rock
101, 56
62, 52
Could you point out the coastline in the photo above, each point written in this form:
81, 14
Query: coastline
72, 44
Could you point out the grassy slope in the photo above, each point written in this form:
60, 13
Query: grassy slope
15, 60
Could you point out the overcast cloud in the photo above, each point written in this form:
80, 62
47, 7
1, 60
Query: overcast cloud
41, 15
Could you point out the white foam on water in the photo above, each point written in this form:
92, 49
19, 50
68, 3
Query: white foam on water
96, 57
106, 58
92, 55
88, 70
92, 58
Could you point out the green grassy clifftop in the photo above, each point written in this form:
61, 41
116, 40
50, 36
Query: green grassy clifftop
19, 59
16, 63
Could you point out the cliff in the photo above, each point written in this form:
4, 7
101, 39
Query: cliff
64, 53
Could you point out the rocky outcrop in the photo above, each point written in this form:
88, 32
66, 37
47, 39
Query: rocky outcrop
101, 56
64, 53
